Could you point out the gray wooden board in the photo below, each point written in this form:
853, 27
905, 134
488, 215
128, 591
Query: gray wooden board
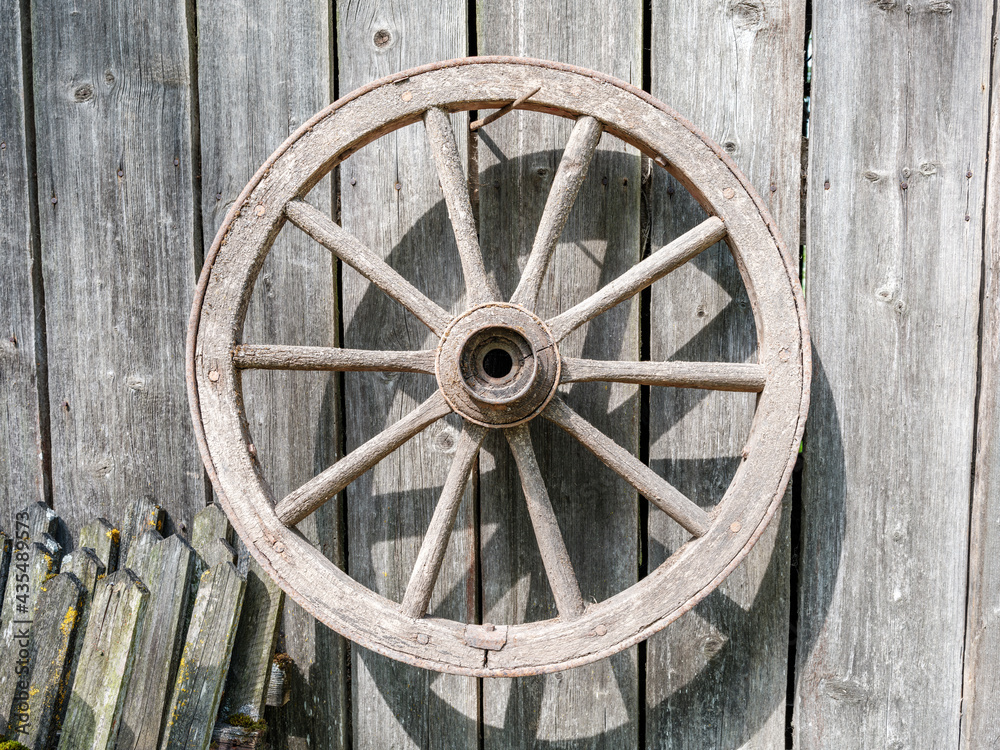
142, 515
30, 566
980, 715
21, 437
210, 536
390, 200
113, 109
197, 691
597, 511
5, 550
256, 637
88, 569
107, 655
56, 619
103, 538
284, 54
718, 677
168, 568
894, 252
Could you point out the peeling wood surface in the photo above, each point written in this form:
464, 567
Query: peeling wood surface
391, 201
894, 251
22, 424
115, 181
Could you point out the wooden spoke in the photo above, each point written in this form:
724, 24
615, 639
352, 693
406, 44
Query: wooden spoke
301, 502
352, 251
716, 376
656, 489
641, 275
479, 287
555, 557
569, 177
431, 555
267, 357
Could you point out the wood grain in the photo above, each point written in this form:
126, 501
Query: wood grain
169, 569
279, 53
201, 673
391, 201
141, 516
597, 513
56, 618
24, 413
893, 265
717, 677
107, 654
980, 716
115, 183
23, 424
100, 536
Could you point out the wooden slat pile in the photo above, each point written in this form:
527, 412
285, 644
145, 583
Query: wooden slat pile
132, 640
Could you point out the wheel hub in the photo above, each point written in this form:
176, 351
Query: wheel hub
498, 365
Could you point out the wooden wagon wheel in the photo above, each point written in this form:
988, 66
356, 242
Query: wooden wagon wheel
498, 366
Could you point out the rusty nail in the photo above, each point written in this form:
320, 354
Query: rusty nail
279, 547
65, 405
121, 173
260, 210
177, 162
3, 144
13, 340
397, 186
213, 375
774, 188
969, 174
967, 217
423, 639
735, 526
826, 185
903, 185
729, 193
601, 630
353, 181
218, 196
406, 96
625, 182
670, 190
252, 449
54, 200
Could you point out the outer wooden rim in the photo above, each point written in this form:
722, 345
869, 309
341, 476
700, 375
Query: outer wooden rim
686, 577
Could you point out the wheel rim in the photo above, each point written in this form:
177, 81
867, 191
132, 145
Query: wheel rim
580, 634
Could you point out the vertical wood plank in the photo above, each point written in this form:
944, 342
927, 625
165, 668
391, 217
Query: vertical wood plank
168, 570
390, 199
21, 432
56, 616
113, 108
894, 249
201, 673
718, 676
263, 69
103, 538
107, 655
980, 716
597, 512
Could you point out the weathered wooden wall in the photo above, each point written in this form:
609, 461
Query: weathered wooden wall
863, 618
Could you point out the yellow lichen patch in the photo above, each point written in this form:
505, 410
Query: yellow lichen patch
68, 621
114, 535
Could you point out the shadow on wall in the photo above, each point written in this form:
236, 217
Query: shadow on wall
737, 656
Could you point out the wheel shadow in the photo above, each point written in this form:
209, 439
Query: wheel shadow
721, 700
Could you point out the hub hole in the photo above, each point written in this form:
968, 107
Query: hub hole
497, 363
